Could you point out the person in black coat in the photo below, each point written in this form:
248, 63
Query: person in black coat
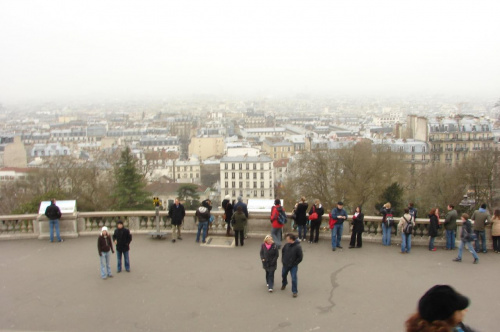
291, 257
122, 239
301, 218
176, 212
433, 227
228, 213
316, 222
358, 226
269, 254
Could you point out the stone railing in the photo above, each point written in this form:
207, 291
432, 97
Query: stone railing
143, 222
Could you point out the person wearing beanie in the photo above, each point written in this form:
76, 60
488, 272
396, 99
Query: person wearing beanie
105, 247
441, 308
277, 230
245, 211
122, 239
228, 213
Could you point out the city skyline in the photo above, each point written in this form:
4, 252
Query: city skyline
55, 50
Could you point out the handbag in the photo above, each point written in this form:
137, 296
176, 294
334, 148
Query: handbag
314, 215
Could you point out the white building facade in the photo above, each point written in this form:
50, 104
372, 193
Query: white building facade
247, 176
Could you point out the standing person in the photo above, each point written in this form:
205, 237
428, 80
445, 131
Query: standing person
277, 230
203, 215
433, 227
105, 247
245, 211
53, 213
301, 218
315, 222
481, 217
240, 220
339, 215
122, 239
466, 237
495, 230
387, 223
291, 257
176, 213
228, 213
441, 308
269, 254
358, 226
450, 226
413, 211
405, 226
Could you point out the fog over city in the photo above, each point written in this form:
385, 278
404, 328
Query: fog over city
60, 50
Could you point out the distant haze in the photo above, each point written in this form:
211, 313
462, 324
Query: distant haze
53, 50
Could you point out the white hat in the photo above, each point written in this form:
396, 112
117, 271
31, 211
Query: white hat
104, 229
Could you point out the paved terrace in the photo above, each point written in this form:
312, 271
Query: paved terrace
187, 287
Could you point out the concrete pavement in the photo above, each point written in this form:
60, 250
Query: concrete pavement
187, 287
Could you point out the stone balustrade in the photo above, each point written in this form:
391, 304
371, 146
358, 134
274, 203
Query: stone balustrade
143, 222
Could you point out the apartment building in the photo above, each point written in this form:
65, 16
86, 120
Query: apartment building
246, 176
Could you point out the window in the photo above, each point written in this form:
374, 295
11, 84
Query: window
262, 184
233, 184
248, 176
248, 184
262, 176
241, 184
233, 175
255, 184
247, 166
232, 166
241, 176
262, 193
254, 166
255, 176
225, 175
225, 166
255, 193
226, 184
240, 166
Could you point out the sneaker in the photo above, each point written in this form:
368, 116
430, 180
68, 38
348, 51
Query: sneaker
457, 259
433, 249
333, 249
484, 252
61, 240
283, 287
110, 276
310, 242
351, 247
340, 247
294, 295
270, 290
173, 240
128, 270
118, 271
476, 261
203, 241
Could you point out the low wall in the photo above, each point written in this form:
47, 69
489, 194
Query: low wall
27, 226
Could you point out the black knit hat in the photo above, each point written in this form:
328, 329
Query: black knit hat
119, 222
440, 302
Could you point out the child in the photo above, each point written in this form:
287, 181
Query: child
269, 254
466, 236
104, 247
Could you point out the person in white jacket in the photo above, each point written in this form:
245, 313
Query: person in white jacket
405, 227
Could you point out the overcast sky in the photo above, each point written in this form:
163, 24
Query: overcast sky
120, 49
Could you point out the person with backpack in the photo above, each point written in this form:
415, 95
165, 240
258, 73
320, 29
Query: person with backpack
413, 211
278, 220
450, 226
203, 215
466, 237
269, 254
405, 227
358, 226
228, 213
387, 223
301, 218
433, 227
338, 216
317, 209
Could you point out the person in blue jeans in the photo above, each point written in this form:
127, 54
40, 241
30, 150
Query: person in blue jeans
481, 218
53, 213
403, 227
338, 215
105, 247
203, 215
466, 236
433, 227
291, 257
450, 225
387, 218
122, 239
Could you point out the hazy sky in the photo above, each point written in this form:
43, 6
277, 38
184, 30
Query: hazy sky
119, 49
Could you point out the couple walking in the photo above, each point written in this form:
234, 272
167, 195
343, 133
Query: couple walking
291, 257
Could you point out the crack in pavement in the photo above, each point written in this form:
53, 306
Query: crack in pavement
333, 280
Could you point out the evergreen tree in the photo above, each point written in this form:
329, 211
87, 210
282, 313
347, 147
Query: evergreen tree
129, 189
188, 193
393, 194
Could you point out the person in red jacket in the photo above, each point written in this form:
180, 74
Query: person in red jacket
277, 230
